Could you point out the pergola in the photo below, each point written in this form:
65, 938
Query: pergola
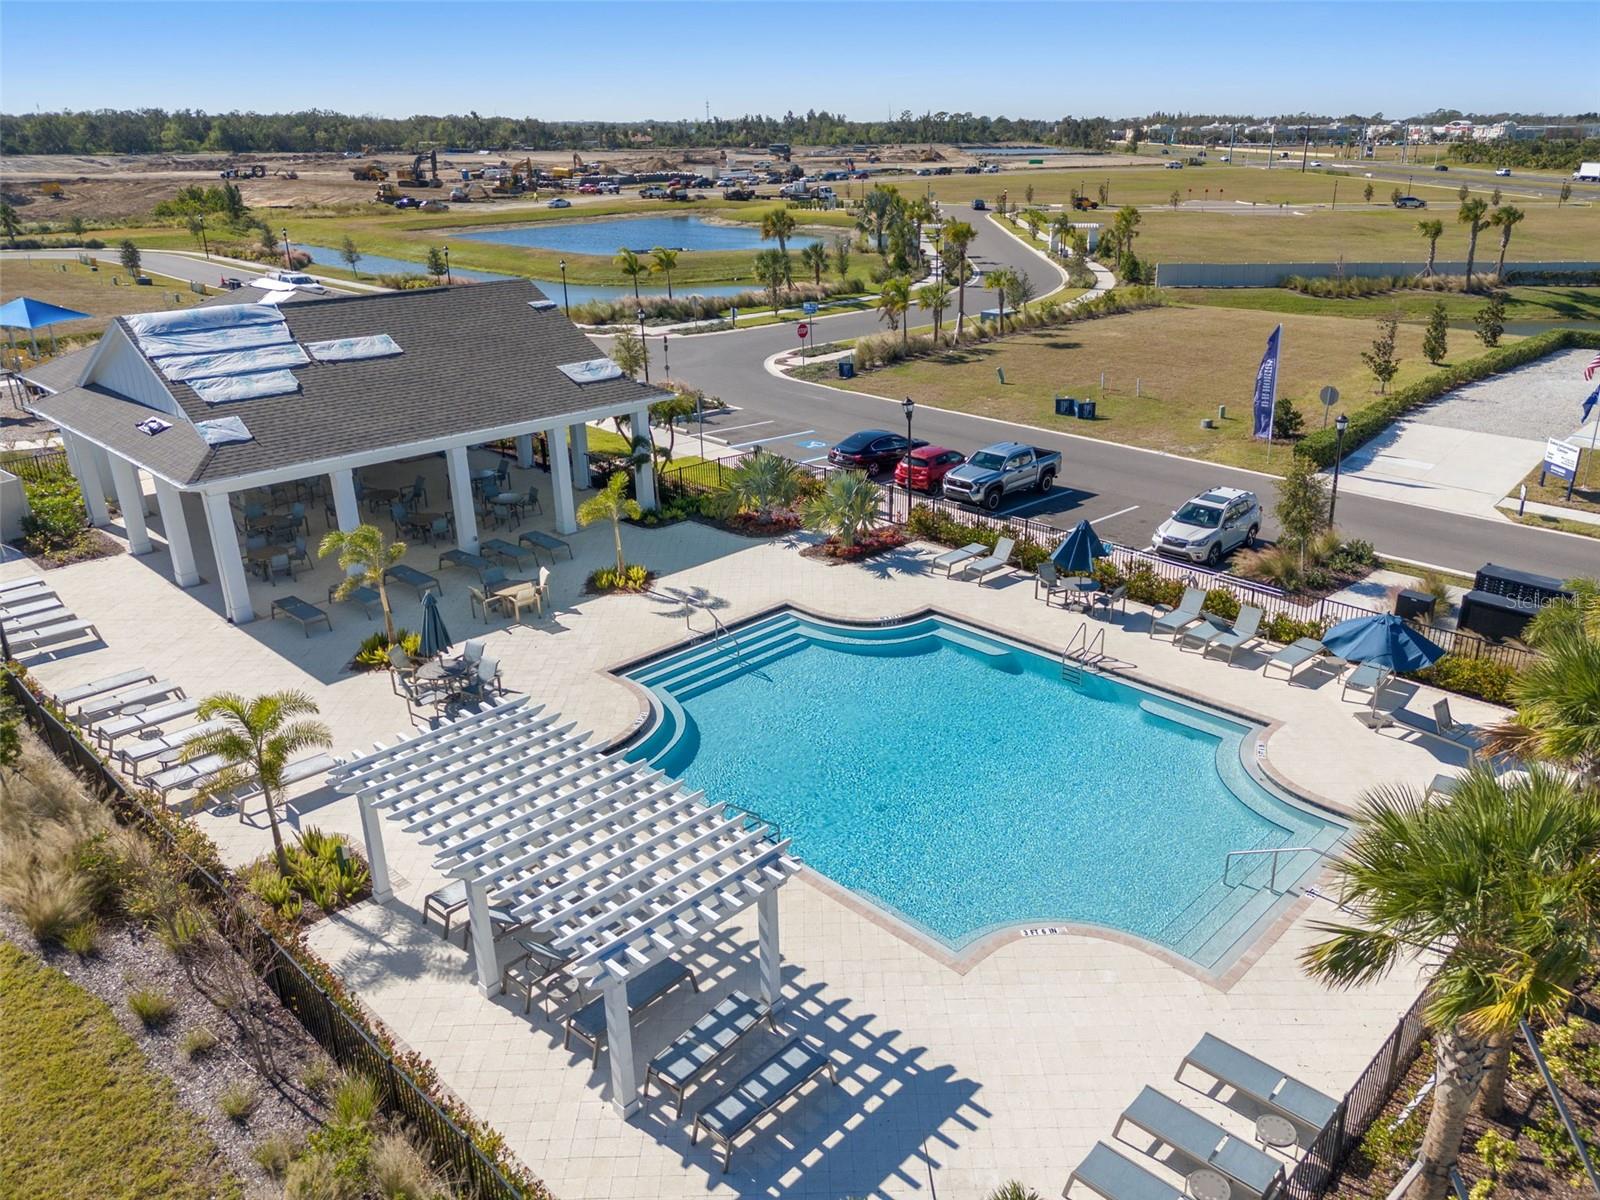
614, 862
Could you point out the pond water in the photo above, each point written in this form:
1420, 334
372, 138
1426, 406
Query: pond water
379, 264
605, 238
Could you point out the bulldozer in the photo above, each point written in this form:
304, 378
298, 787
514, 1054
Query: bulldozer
387, 193
416, 176
369, 173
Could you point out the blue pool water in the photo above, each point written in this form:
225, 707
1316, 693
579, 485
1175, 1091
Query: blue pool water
605, 238
957, 780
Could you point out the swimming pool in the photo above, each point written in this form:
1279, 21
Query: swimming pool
954, 778
637, 233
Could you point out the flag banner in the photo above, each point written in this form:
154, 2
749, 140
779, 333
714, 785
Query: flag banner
1589, 402
1588, 372
1266, 398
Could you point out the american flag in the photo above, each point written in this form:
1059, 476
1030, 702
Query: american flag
1588, 372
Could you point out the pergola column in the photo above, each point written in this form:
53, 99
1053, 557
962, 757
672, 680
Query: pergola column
771, 962
619, 1045
230, 566
644, 477
80, 457
578, 435
525, 451
377, 858
170, 500
482, 925
561, 482
346, 510
455, 460
130, 499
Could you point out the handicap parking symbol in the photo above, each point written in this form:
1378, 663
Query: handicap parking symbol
812, 444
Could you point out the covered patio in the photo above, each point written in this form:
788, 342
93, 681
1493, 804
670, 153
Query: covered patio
617, 867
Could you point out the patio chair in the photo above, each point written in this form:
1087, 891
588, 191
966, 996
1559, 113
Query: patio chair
1173, 621
588, 1024
541, 590
1106, 601
479, 603
539, 966
1450, 728
298, 552
533, 499
307, 613
952, 559
279, 564
445, 903
1107, 1173
472, 652
297, 517
416, 495
400, 517
1441, 785
254, 511
1203, 1141
1369, 678
1264, 1084
695, 1051
1245, 630
794, 1065
1295, 655
502, 472
439, 531
999, 560
1050, 579
255, 541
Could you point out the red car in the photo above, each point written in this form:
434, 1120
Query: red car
929, 466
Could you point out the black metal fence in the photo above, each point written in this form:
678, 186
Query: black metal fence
347, 1042
35, 466
1318, 1168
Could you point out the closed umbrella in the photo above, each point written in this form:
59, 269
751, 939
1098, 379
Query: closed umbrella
435, 637
33, 315
1078, 550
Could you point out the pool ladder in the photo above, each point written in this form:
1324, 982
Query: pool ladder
1272, 882
718, 629
1083, 653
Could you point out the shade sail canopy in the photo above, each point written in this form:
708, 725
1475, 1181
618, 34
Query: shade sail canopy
1383, 640
27, 313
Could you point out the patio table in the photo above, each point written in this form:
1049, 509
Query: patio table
1080, 588
517, 594
376, 497
422, 522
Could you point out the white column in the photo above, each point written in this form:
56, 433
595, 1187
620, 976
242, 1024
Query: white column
561, 482
377, 858
230, 567
345, 508
619, 1045
644, 476
170, 500
578, 435
102, 464
525, 450
483, 950
80, 457
455, 460
771, 962
130, 499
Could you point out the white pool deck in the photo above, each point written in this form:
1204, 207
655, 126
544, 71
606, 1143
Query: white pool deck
950, 1082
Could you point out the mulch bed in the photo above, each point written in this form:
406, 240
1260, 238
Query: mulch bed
751, 525
94, 544
879, 542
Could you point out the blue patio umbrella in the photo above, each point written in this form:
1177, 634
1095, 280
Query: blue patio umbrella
1383, 640
1079, 549
435, 637
33, 315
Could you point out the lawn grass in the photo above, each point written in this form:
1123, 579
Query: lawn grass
1586, 488
73, 285
81, 1111
1522, 303
1187, 361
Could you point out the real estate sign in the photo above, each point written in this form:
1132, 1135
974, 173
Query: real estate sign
1560, 459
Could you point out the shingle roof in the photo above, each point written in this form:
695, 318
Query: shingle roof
476, 358
177, 453
60, 373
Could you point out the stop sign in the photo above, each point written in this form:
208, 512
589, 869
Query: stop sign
802, 329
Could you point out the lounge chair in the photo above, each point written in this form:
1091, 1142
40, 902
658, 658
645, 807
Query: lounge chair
1000, 560
109, 704
1050, 579
146, 749
503, 549
951, 559
418, 581
296, 772
41, 602
1202, 632
1244, 631
307, 613
1207, 1143
1369, 678
109, 684
1442, 785
758, 1093
644, 989
109, 731
56, 614
1264, 1084
33, 639
1107, 1173
1173, 621
1295, 655
183, 775
537, 540
705, 1043
540, 965
464, 559
1106, 601
1444, 726
14, 586
367, 597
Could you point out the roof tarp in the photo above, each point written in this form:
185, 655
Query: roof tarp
185, 367
224, 430
245, 387
594, 370
351, 349
203, 330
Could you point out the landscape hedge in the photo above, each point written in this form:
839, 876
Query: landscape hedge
1373, 418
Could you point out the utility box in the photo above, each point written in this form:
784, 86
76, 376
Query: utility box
847, 368
1086, 410
1066, 406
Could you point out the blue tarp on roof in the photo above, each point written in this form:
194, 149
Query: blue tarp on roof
352, 349
245, 387
189, 367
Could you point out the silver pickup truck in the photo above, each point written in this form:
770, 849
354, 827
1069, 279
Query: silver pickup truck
997, 471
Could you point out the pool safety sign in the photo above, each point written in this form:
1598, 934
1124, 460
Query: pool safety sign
1560, 460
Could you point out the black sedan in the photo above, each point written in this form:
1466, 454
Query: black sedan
871, 450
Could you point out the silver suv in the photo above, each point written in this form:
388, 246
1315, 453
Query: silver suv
1213, 524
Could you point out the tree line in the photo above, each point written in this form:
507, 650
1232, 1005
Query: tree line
186, 131
1555, 154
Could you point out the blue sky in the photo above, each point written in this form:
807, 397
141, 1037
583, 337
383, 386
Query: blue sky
578, 58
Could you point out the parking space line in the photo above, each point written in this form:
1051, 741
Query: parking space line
731, 428
806, 462
1118, 513
776, 437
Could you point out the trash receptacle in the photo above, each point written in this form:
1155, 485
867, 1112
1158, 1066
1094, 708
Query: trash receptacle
1085, 410
847, 368
1414, 604
1066, 406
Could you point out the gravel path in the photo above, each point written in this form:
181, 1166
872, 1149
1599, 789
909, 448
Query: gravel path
1538, 401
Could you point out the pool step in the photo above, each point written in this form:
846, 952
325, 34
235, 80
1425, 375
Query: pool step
726, 656
711, 649
732, 666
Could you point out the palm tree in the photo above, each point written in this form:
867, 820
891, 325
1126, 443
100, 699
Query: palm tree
847, 508
876, 208
365, 556
664, 261
815, 256
1506, 218
1433, 230
772, 268
1498, 884
958, 236
1000, 279
919, 212
631, 265
1471, 214
935, 297
1555, 699
779, 224
894, 299
256, 741
764, 482
612, 503
1062, 228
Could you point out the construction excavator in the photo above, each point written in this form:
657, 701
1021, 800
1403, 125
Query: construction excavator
415, 176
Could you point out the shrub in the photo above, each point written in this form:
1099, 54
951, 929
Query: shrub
154, 1009
197, 1042
322, 869
1481, 677
268, 886
1283, 629
929, 525
1351, 557
1146, 587
49, 899
373, 653
398, 1171
1435, 584
238, 1100
57, 521
83, 939
355, 1101
632, 578
273, 1154
1012, 1190
1222, 603
317, 1077
312, 1177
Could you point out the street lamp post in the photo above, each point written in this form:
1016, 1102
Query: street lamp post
643, 345
908, 406
666, 362
564, 304
288, 264
1339, 426
447, 278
